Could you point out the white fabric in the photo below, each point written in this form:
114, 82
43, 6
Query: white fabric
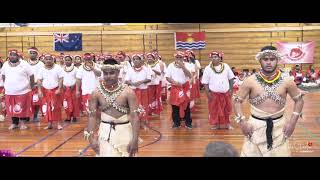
69, 78
36, 69
17, 79
217, 82
50, 77
177, 74
135, 76
155, 79
198, 66
88, 80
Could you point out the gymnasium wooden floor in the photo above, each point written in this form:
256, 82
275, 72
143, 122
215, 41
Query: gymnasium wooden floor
160, 140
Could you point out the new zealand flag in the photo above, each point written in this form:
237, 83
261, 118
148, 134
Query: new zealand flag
67, 42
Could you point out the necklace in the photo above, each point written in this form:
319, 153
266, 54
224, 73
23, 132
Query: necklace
31, 62
153, 64
241, 79
86, 67
137, 69
66, 69
111, 91
272, 80
111, 95
214, 69
13, 64
49, 68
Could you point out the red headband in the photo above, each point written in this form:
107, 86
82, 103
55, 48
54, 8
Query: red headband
220, 54
138, 55
34, 50
13, 51
151, 55
179, 53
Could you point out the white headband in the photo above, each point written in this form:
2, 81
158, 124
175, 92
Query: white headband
266, 52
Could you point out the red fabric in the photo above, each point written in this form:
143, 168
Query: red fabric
235, 88
197, 88
178, 97
154, 94
163, 92
142, 98
18, 105
316, 72
53, 104
2, 101
70, 102
33, 102
85, 102
219, 108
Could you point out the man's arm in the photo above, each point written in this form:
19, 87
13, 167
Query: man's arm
39, 85
238, 99
241, 95
92, 121
32, 83
134, 119
186, 71
96, 72
78, 86
157, 72
296, 96
173, 82
231, 82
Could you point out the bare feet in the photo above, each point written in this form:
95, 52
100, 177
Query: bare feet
23, 127
215, 127
13, 126
59, 127
48, 127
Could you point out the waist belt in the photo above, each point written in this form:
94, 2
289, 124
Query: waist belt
269, 129
112, 126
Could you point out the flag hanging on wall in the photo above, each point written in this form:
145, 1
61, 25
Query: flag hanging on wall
194, 40
296, 52
67, 42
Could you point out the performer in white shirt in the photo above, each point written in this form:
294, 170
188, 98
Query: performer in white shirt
18, 81
36, 65
87, 77
70, 101
218, 82
178, 74
50, 82
138, 78
154, 88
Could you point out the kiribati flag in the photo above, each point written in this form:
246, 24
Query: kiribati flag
194, 40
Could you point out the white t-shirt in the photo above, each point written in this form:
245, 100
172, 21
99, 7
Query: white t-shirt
191, 67
198, 66
88, 80
155, 79
217, 82
135, 76
17, 79
177, 74
50, 77
69, 78
36, 69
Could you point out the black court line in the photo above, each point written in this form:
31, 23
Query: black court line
81, 153
61, 144
42, 139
